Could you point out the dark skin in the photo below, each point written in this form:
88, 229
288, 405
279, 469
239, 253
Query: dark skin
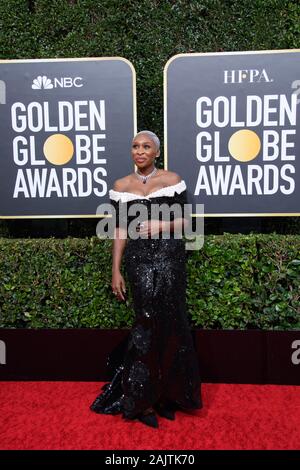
144, 153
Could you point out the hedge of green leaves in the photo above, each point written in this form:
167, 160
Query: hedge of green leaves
147, 32
234, 282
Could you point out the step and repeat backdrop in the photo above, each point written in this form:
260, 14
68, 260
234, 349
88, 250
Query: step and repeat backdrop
232, 130
66, 127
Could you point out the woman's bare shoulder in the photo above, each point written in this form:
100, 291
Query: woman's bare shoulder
122, 183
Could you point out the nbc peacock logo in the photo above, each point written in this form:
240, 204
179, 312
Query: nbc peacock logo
42, 83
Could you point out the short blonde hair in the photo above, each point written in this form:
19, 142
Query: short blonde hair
152, 136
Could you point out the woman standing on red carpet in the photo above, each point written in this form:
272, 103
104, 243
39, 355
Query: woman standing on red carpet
159, 372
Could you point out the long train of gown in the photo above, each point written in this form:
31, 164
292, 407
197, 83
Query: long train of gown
159, 359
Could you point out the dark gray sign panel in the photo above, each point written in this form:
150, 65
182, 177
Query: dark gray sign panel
66, 127
232, 130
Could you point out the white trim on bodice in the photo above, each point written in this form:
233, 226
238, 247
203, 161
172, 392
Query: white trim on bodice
125, 196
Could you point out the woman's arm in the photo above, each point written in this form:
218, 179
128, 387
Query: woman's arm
118, 283
119, 243
177, 225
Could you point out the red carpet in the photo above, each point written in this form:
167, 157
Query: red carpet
56, 415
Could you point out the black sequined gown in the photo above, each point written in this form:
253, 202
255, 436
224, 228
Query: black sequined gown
159, 361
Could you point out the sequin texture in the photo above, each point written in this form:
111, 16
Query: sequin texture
140, 338
160, 361
138, 377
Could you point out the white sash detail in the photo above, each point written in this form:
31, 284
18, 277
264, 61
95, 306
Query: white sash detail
125, 196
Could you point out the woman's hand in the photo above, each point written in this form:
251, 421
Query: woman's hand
152, 227
118, 285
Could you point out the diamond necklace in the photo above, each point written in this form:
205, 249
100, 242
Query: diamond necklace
144, 179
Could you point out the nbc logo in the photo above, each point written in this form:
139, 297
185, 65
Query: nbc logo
41, 82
